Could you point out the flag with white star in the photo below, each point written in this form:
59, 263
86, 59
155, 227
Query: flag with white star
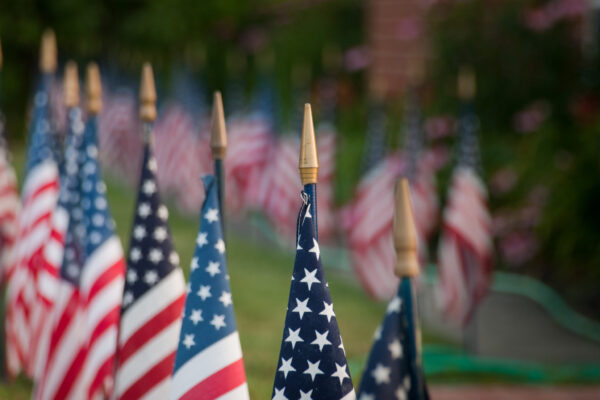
209, 363
312, 361
153, 298
394, 368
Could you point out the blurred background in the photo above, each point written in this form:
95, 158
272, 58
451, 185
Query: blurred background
366, 66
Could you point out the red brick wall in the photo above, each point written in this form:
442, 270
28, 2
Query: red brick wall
397, 42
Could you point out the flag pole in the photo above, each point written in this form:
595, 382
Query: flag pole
218, 146
93, 87
48, 53
466, 89
147, 101
71, 85
309, 163
407, 267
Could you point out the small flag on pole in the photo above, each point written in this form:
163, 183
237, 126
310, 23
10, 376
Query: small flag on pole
465, 250
209, 363
394, 368
312, 361
154, 294
38, 200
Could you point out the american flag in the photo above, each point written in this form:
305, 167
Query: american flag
465, 249
9, 203
118, 125
368, 223
394, 369
249, 141
312, 360
209, 363
153, 298
277, 194
25, 274
182, 154
64, 254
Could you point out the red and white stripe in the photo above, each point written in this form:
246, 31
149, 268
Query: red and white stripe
183, 156
148, 341
120, 135
249, 142
83, 342
25, 285
326, 145
465, 250
368, 222
9, 208
215, 372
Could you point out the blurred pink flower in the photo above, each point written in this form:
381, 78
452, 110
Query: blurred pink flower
356, 58
503, 181
544, 17
519, 247
439, 126
531, 117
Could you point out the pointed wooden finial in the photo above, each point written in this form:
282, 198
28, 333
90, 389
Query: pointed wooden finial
218, 133
48, 52
147, 94
71, 85
309, 160
466, 83
93, 89
405, 233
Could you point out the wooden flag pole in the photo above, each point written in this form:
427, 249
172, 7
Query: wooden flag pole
309, 163
147, 101
71, 85
218, 146
407, 267
48, 52
93, 87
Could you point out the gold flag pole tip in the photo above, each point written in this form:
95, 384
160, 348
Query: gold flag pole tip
48, 52
93, 89
405, 233
309, 160
147, 94
218, 133
71, 85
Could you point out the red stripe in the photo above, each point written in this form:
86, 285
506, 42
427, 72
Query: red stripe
71, 374
151, 378
218, 383
63, 323
150, 329
97, 385
104, 279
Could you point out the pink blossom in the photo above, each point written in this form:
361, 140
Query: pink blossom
519, 247
356, 58
503, 181
531, 117
440, 126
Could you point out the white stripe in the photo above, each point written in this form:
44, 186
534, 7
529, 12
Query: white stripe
160, 391
156, 299
103, 349
53, 252
239, 393
47, 284
204, 364
67, 347
104, 257
147, 356
40, 175
103, 303
350, 396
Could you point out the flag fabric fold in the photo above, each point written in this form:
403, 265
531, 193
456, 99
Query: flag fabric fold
24, 273
465, 249
153, 298
312, 362
209, 363
394, 370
